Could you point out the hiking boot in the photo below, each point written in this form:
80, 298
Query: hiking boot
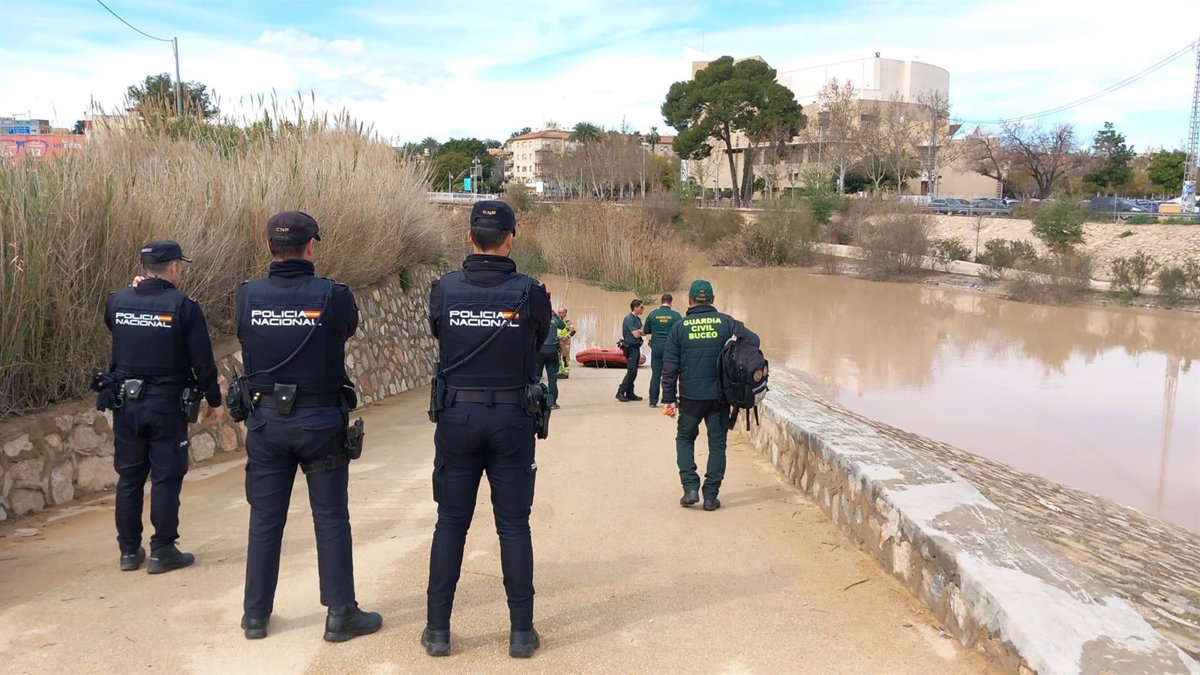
132, 561
711, 503
255, 629
633, 397
168, 558
690, 496
435, 642
622, 398
522, 643
346, 622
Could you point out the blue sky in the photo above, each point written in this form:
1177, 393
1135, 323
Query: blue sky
487, 68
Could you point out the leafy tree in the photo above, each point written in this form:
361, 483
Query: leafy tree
450, 167
726, 98
1166, 170
1113, 157
1060, 226
156, 94
81, 128
522, 132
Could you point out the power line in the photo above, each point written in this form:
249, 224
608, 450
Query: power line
1092, 97
131, 25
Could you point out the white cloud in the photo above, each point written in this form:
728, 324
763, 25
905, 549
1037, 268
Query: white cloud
347, 47
290, 40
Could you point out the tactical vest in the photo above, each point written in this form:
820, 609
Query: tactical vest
470, 315
275, 319
147, 335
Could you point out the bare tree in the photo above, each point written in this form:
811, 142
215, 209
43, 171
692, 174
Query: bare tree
939, 133
1046, 155
838, 119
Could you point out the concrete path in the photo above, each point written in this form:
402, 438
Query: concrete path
627, 580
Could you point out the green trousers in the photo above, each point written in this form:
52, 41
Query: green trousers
656, 366
685, 451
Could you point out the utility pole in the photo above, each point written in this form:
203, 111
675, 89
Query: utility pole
178, 80
1188, 199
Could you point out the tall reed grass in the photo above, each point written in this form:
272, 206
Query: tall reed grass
70, 228
616, 247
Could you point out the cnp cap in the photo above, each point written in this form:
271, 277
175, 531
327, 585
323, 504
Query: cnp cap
701, 291
493, 214
162, 251
296, 226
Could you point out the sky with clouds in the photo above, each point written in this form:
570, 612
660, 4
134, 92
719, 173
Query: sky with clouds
487, 68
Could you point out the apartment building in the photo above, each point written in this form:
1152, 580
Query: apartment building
528, 153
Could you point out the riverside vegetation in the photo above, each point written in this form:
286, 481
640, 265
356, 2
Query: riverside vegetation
70, 227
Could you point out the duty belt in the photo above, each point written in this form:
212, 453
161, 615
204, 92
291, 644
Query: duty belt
159, 389
487, 396
303, 400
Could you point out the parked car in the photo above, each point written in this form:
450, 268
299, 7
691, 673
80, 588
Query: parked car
1114, 205
990, 206
949, 205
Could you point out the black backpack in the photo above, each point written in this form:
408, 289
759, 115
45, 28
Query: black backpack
744, 372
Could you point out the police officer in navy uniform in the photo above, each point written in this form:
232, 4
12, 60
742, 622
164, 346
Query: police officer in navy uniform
160, 340
484, 425
295, 325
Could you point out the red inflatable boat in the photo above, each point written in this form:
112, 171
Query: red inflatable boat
605, 358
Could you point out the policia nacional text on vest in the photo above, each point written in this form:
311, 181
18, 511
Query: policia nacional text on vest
295, 399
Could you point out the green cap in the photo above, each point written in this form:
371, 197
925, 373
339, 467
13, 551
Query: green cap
701, 291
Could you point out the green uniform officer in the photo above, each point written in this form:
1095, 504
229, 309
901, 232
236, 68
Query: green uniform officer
631, 336
692, 364
658, 326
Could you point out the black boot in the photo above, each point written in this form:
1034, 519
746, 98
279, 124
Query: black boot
132, 561
690, 496
168, 558
712, 503
522, 643
435, 642
256, 629
633, 397
622, 397
344, 623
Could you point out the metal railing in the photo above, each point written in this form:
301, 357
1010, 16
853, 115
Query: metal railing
459, 197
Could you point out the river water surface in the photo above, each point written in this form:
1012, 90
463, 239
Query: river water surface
1101, 399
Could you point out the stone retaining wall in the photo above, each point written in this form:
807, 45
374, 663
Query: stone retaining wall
993, 582
52, 457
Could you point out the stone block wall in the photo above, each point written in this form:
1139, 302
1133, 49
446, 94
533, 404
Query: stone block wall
52, 457
990, 581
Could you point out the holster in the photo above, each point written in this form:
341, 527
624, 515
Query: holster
354, 439
190, 403
132, 389
537, 406
108, 395
285, 398
237, 398
437, 394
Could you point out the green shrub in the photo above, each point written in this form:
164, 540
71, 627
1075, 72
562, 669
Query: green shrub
1126, 233
946, 251
1060, 226
1141, 219
1191, 278
895, 242
1172, 284
705, 227
782, 234
1057, 280
1130, 275
1000, 255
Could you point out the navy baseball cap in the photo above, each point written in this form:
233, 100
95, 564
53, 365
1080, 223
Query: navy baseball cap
296, 226
162, 251
493, 214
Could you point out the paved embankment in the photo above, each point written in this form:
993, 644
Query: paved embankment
1035, 574
627, 580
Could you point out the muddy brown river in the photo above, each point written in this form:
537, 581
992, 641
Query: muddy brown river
1101, 399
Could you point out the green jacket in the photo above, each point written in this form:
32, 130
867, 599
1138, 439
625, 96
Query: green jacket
692, 363
658, 326
630, 324
556, 324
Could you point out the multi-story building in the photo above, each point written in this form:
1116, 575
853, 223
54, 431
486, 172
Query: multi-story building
529, 153
879, 83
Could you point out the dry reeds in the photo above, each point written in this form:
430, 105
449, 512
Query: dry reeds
621, 248
70, 228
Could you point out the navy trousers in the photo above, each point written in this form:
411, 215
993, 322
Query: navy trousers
150, 439
471, 439
275, 448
